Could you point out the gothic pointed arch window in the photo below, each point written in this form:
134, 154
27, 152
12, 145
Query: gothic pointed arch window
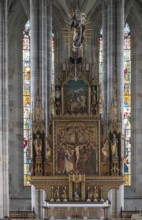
26, 104
127, 105
27, 100
127, 99
100, 70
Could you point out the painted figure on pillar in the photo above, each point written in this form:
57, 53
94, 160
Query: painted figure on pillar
78, 23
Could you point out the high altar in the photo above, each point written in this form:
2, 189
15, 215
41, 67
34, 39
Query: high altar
78, 163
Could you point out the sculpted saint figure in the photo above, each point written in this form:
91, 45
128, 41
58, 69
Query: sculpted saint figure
38, 145
78, 23
114, 145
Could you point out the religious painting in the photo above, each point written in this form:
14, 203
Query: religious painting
77, 148
75, 97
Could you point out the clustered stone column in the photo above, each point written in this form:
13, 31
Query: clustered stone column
104, 86
120, 54
41, 68
109, 48
49, 60
4, 176
113, 50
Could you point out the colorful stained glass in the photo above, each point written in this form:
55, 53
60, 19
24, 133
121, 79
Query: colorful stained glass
26, 104
127, 105
127, 99
100, 71
53, 75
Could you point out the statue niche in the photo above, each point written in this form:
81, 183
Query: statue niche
94, 99
115, 153
38, 153
38, 144
58, 99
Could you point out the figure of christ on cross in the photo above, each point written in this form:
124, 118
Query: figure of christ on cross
77, 146
77, 154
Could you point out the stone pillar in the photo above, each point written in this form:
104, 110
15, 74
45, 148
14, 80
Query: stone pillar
109, 64
43, 49
34, 21
104, 86
120, 81
120, 53
36, 202
113, 49
4, 169
49, 62
43, 204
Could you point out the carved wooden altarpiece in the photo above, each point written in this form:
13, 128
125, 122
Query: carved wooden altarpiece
76, 162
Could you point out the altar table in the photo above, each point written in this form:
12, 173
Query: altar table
82, 209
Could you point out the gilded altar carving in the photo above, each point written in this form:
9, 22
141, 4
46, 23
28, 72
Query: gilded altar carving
77, 161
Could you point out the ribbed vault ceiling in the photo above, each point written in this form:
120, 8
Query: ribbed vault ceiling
62, 9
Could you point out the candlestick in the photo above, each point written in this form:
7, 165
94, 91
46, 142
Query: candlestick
88, 199
52, 196
95, 198
102, 200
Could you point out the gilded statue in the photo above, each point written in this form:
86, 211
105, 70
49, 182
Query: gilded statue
105, 150
78, 23
38, 145
114, 145
48, 150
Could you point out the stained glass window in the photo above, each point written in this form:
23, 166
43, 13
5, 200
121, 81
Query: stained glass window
53, 76
26, 104
127, 99
100, 70
127, 105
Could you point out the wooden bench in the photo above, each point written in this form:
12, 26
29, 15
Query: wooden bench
127, 214
22, 215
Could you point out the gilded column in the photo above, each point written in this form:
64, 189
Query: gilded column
4, 170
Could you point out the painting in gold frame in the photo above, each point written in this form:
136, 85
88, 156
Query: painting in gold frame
76, 147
